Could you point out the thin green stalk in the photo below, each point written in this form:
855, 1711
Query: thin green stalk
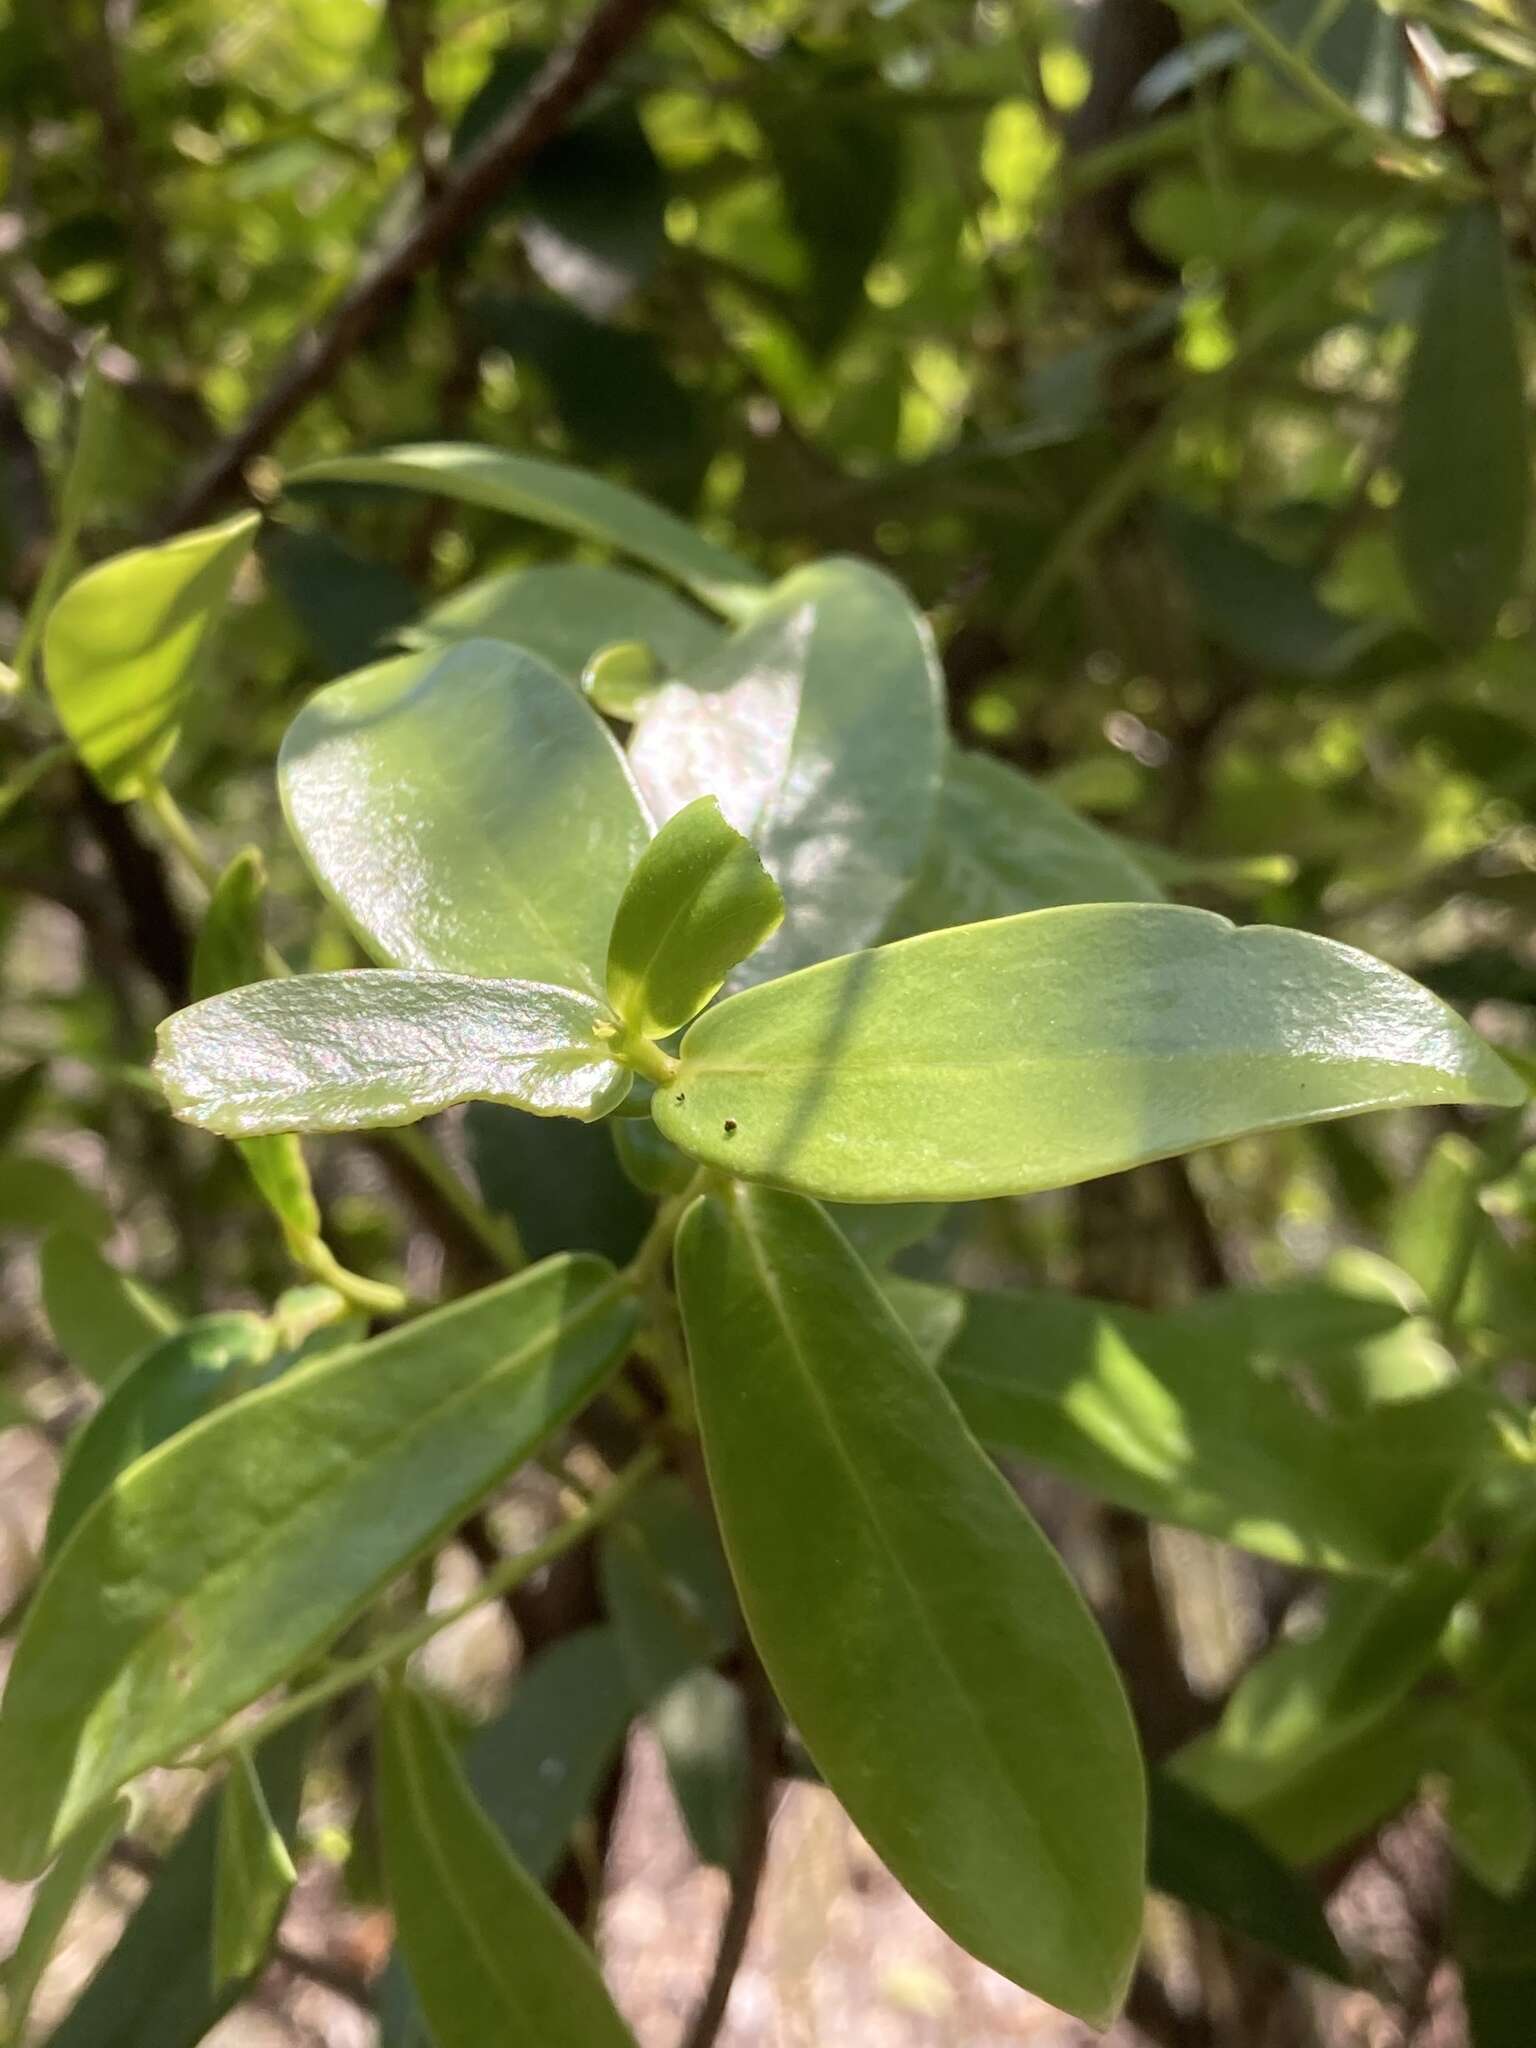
178, 831
394, 1649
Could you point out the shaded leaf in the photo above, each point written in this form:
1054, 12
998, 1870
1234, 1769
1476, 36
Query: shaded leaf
346, 606
52, 1903
253, 1876
101, 1319
41, 1195
558, 1181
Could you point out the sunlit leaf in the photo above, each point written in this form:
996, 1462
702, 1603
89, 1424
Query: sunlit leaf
253, 1876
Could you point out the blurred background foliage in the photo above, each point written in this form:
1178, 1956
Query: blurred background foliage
1170, 355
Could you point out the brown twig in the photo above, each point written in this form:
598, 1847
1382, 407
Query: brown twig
562, 83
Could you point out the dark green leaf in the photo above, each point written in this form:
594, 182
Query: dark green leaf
557, 1179
880, 1558
52, 1902
41, 1195
100, 1318
347, 607
253, 1876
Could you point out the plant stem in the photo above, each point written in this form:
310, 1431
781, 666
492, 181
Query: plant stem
177, 829
395, 1648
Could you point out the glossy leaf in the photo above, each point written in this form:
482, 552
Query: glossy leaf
1191, 1424
253, 1876
819, 728
174, 1383
52, 1903
491, 1958
101, 1319
1463, 447
564, 612
155, 1989
128, 642
880, 1558
1041, 1050
549, 493
537, 1768
467, 813
353, 1051
1001, 844
1206, 1859
214, 1567
698, 902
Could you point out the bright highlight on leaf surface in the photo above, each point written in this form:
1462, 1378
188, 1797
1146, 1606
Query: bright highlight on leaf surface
939, 1663
1041, 1050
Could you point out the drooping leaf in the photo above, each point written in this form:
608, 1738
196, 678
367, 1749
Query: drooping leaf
1463, 447
52, 1903
1185, 1424
129, 640
699, 902
155, 1989
551, 494
214, 1567
935, 1657
101, 1319
467, 813
819, 727
565, 611
1206, 1859
536, 1769
359, 1049
253, 1876
1038, 1051
491, 1958
174, 1383
1000, 844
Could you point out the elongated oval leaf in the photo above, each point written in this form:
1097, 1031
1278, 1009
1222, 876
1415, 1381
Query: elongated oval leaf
1041, 1050
467, 813
235, 1552
946, 1677
564, 612
101, 1319
1463, 448
820, 729
168, 1389
253, 1876
698, 902
52, 1903
491, 1957
126, 643
352, 1051
572, 500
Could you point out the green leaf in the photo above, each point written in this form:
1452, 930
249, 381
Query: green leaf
39, 1194
930, 1314
359, 1049
253, 1876
155, 1989
1001, 844
1308, 1697
1463, 448
537, 1768
52, 1902
940, 1665
347, 607
565, 612
89, 461
1490, 1805
698, 902
1192, 1425
174, 1383
101, 1319
216, 1566
558, 1180
491, 1958
230, 953
1042, 1050
820, 729
700, 1724
128, 642
466, 813
666, 1588
1206, 1859
571, 500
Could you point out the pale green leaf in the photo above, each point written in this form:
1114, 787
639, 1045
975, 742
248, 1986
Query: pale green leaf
491, 1958
1463, 445
1041, 1050
253, 1876
39, 1194
565, 612
128, 642
549, 493
364, 1048
934, 1655
466, 812
234, 1553
819, 727
698, 902
101, 1319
